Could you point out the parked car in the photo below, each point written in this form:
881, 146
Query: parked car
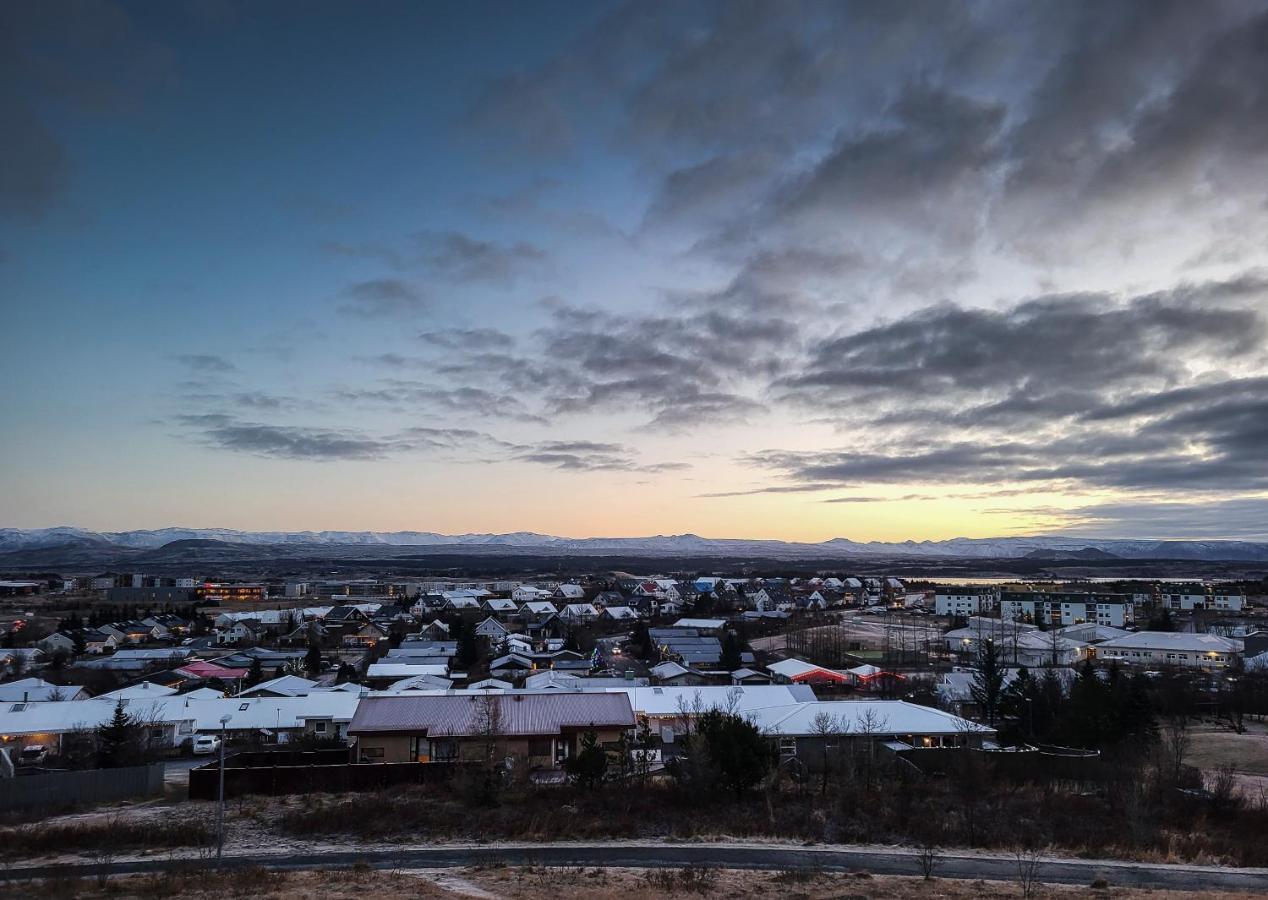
206, 743
33, 755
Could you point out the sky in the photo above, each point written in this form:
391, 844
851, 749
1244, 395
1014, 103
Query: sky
873, 270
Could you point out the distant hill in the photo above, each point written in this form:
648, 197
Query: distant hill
48, 545
1085, 553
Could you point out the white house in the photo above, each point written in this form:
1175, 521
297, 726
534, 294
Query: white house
579, 612
570, 592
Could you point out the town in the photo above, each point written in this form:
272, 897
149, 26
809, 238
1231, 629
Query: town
683, 683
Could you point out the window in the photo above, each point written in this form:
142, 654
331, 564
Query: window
17, 707
787, 746
319, 728
445, 750
243, 707
372, 754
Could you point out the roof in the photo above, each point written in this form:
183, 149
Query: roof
209, 670
404, 670
793, 669
140, 692
464, 715
264, 713
286, 685
703, 624
1173, 640
861, 717
669, 669
28, 689
672, 701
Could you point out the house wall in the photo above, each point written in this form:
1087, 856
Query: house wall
522, 749
1163, 657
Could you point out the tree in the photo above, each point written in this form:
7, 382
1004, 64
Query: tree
346, 673
987, 686
119, 740
312, 660
590, 764
255, 674
731, 650
739, 753
829, 730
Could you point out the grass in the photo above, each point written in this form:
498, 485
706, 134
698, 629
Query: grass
100, 838
1217, 749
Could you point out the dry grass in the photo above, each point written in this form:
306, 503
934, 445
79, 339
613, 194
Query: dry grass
102, 837
547, 883
1217, 749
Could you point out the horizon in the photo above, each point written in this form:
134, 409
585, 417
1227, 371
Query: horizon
910, 272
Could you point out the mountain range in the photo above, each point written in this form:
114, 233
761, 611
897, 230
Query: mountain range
15, 540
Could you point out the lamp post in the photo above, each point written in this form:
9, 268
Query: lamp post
220, 806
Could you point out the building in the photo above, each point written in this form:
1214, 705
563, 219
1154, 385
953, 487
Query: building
965, 601
1170, 648
1188, 597
1058, 608
231, 593
537, 730
796, 671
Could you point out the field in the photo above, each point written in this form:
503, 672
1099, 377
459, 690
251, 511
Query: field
1244, 753
543, 883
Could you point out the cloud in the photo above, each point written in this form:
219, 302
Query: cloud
452, 256
382, 298
207, 363
468, 339
285, 441
1237, 519
591, 456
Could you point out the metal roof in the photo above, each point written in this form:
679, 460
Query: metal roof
467, 715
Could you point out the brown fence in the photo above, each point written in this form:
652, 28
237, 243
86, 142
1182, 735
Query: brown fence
55, 790
266, 773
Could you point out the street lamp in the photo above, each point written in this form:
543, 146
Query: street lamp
220, 807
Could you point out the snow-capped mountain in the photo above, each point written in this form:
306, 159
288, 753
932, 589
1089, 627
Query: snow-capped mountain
17, 539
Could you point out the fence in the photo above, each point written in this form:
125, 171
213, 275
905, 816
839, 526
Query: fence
303, 773
52, 790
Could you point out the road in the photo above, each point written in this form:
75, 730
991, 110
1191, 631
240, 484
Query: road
879, 861
176, 771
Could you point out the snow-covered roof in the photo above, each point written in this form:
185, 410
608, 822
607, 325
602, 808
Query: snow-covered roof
254, 713
31, 689
140, 691
878, 717
799, 668
405, 670
667, 700
620, 612
1173, 640
702, 624
288, 685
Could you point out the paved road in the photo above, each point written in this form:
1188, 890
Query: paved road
176, 771
734, 856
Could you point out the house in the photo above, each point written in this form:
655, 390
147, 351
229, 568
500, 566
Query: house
538, 609
538, 730
812, 731
142, 691
796, 671
381, 674
1169, 648
569, 592
687, 645
501, 606
422, 682
492, 629
702, 626
284, 686
27, 690
670, 709
461, 602
749, 676
491, 684
243, 631
97, 642
510, 665
526, 593
618, 614
58, 640
676, 674
209, 670
575, 613
435, 630
363, 634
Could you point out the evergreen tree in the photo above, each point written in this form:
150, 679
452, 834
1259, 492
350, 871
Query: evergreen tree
255, 674
987, 687
119, 740
312, 660
591, 762
737, 751
346, 673
731, 650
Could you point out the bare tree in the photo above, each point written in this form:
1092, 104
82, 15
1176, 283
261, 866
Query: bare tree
1174, 749
829, 730
928, 859
1028, 863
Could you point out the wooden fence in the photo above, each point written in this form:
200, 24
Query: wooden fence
53, 790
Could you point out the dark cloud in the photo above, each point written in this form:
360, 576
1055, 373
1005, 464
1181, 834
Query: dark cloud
452, 256
382, 298
591, 456
407, 396
285, 441
469, 339
1236, 519
207, 363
